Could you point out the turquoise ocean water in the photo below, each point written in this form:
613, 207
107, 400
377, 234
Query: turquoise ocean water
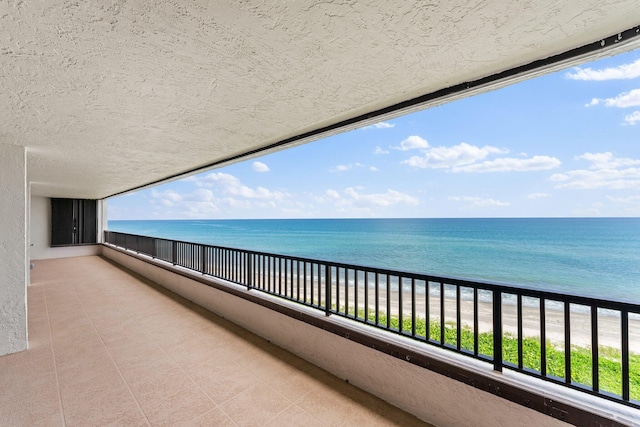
587, 256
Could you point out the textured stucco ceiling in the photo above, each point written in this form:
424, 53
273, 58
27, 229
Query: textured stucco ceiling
108, 96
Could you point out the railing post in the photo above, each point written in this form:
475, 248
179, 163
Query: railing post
174, 252
202, 259
327, 289
249, 270
497, 330
624, 332
595, 364
567, 342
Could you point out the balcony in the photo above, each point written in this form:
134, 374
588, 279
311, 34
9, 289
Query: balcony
246, 286
109, 347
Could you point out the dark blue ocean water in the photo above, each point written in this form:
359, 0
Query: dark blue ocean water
587, 256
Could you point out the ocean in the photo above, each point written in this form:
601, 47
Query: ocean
598, 257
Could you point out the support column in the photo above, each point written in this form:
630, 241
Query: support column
13, 249
102, 219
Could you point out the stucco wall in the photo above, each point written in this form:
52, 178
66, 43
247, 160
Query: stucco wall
40, 234
428, 395
13, 252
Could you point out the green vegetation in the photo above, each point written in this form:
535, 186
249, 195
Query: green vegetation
609, 358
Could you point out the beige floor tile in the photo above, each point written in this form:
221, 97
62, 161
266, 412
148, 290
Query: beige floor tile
79, 358
338, 403
197, 364
173, 404
18, 387
192, 349
76, 329
39, 332
20, 415
107, 406
141, 369
226, 381
96, 396
131, 419
153, 383
75, 387
263, 401
294, 416
286, 380
28, 404
120, 332
215, 417
55, 420
37, 360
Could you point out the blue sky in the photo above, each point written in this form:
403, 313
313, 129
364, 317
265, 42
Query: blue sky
562, 145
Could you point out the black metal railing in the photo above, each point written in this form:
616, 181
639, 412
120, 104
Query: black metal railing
588, 344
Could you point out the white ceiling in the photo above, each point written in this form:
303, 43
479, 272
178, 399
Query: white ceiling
108, 98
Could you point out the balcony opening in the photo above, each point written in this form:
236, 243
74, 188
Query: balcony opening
513, 239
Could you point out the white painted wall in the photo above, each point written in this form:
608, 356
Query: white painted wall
13, 249
40, 234
430, 396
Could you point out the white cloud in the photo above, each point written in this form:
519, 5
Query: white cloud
630, 205
260, 167
479, 202
605, 171
373, 169
538, 195
355, 199
391, 197
204, 195
448, 157
593, 179
621, 72
333, 194
379, 150
594, 101
381, 125
607, 160
197, 204
632, 118
227, 184
412, 143
344, 168
632, 200
507, 164
624, 100
167, 198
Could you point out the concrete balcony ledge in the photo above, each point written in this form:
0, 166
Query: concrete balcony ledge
387, 365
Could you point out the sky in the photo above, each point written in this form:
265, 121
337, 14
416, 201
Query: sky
562, 145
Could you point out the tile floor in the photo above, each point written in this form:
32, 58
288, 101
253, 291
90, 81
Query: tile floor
109, 348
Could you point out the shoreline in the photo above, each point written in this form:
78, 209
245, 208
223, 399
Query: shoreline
609, 325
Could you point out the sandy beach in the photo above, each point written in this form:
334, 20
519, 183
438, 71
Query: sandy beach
609, 324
